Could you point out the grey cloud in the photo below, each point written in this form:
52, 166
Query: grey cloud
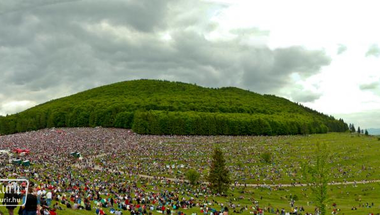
300, 60
143, 15
186, 14
373, 50
298, 93
366, 119
53, 50
267, 70
341, 49
250, 32
305, 96
373, 87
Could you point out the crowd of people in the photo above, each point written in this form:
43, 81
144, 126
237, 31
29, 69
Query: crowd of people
111, 176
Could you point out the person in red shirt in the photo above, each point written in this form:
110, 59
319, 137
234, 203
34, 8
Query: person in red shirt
101, 212
52, 212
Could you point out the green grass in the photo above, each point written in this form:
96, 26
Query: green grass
352, 157
344, 196
353, 154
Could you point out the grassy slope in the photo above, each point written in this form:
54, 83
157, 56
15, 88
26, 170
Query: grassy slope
349, 150
344, 196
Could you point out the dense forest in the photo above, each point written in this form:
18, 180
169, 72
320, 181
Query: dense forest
163, 107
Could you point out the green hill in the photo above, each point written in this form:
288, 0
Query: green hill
163, 107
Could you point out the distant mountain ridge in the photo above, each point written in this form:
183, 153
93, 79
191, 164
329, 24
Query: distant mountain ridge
374, 131
164, 107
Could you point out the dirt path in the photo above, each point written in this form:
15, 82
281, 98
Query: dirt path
269, 185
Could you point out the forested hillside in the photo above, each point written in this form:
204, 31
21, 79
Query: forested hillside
163, 107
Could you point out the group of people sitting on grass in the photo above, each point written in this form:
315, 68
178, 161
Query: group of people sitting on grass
111, 174
28, 201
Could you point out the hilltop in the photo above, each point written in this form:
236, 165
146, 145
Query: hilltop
163, 107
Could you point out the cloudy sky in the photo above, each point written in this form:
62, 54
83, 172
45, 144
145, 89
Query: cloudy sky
323, 54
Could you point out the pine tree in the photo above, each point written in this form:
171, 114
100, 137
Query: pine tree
359, 131
352, 128
218, 177
366, 133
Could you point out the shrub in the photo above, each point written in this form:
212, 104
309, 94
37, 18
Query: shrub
192, 176
266, 157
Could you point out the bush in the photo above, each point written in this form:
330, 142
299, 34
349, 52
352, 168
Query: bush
293, 197
193, 176
266, 157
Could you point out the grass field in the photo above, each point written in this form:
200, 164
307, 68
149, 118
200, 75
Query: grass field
345, 197
353, 158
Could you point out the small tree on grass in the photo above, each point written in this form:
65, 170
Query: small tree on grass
193, 176
317, 175
266, 157
218, 177
366, 133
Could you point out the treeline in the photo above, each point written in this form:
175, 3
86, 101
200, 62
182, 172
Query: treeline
181, 123
196, 123
35, 121
205, 111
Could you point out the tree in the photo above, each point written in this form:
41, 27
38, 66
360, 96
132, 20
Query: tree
218, 177
359, 131
192, 176
317, 176
266, 157
352, 128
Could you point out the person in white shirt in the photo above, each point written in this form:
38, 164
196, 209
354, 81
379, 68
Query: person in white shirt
49, 198
39, 193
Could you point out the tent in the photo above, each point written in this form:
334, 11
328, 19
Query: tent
16, 161
19, 151
26, 163
75, 154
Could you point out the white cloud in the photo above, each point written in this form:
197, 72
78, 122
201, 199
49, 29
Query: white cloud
16, 106
288, 48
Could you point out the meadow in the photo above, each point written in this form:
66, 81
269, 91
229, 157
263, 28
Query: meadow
122, 158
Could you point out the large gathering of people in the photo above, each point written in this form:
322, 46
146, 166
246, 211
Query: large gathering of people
119, 171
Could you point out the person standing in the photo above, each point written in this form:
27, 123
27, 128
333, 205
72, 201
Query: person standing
11, 199
31, 203
49, 198
225, 211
